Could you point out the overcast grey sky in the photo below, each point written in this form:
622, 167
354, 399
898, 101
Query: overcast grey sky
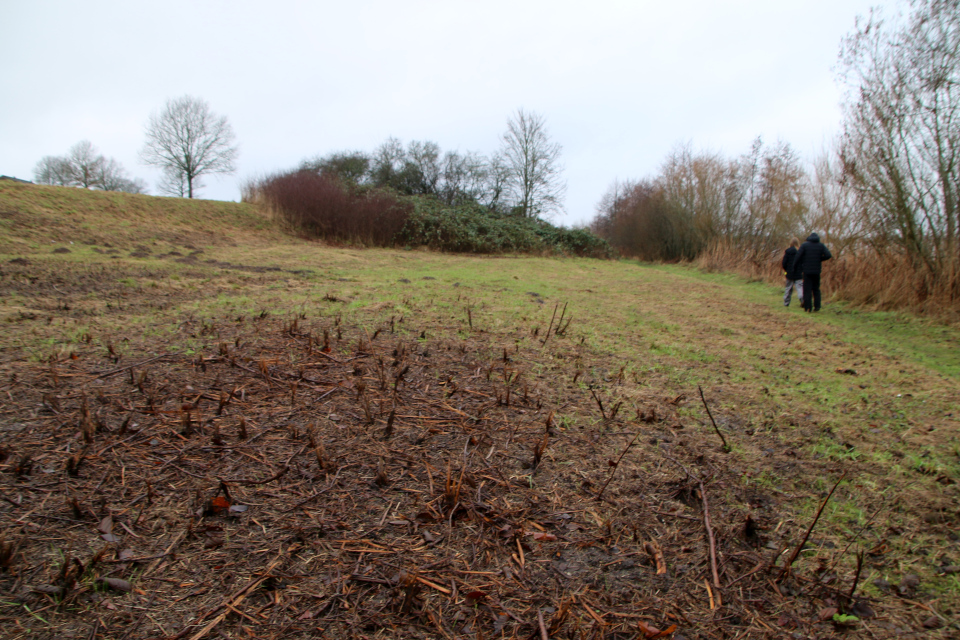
620, 83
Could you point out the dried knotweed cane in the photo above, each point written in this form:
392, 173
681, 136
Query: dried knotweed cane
796, 552
726, 447
615, 465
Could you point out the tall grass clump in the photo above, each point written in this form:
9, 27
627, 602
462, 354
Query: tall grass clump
891, 280
721, 255
322, 206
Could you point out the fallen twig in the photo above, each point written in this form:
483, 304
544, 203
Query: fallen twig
136, 624
599, 403
113, 372
844, 551
231, 603
681, 465
330, 357
139, 559
118, 442
270, 379
760, 565
673, 515
16, 504
562, 328
711, 541
286, 467
306, 500
171, 547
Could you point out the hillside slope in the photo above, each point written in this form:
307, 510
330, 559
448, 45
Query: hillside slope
32, 216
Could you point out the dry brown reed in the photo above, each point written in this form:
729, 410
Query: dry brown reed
721, 256
867, 278
893, 282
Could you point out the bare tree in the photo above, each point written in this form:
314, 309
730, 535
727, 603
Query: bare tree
109, 175
84, 166
55, 170
78, 168
85, 162
423, 167
700, 201
533, 165
901, 146
495, 185
353, 167
174, 183
835, 207
772, 189
702, 197
387, 163
188, 141
463, 178
415, 170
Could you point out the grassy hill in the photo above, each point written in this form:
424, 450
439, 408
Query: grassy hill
34, 216
413, 390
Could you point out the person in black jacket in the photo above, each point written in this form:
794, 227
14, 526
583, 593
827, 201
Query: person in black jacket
810, 257
793, 274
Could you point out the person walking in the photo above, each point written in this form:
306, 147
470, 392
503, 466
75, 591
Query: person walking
810, 258
793, 274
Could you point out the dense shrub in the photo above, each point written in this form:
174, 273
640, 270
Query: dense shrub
579, 242
467, 228
472, 228
321, 205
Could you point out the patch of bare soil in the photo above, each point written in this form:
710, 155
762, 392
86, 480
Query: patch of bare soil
307, 478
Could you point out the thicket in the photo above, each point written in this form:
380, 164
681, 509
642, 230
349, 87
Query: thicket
335, 198
885, 199
323, 206
700, 200
418, 195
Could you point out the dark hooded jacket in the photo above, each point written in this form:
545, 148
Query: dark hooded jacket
811, 254
790, 264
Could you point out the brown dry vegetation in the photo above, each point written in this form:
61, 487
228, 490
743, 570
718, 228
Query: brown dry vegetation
274, 439
865, 279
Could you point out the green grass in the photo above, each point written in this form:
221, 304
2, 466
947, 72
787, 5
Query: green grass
899, 334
